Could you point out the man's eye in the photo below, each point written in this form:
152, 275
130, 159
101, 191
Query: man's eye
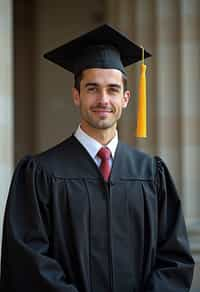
92, 89
114, 90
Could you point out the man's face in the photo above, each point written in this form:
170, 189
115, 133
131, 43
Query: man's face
101, 98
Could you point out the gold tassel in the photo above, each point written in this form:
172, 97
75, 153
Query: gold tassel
141, 131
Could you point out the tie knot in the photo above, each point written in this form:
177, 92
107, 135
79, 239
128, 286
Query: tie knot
104, 153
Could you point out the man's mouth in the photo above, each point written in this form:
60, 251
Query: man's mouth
102, 110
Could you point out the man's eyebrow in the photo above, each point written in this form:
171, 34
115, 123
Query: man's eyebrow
91, 84
114, 85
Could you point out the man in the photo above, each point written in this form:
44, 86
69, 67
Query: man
93, 214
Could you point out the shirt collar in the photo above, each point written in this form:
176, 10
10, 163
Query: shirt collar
92, 145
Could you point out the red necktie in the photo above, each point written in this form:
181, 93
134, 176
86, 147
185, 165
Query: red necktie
105, 154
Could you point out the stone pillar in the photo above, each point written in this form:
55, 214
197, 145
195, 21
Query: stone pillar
168, 86
190, 60
6, 103
24, 77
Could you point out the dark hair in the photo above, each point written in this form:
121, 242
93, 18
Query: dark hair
77, 80
79, 77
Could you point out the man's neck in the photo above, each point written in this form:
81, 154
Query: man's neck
103, 136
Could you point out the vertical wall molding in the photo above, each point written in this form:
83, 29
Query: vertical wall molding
6, 102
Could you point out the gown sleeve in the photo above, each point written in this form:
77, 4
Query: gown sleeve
173, 268
26, 264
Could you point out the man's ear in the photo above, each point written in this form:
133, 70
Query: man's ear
76, 96
126, 98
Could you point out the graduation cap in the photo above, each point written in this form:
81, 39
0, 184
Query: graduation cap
103, 47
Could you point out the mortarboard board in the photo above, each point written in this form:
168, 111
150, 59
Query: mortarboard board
103, 47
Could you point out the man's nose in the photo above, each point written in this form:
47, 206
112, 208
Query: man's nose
103, 96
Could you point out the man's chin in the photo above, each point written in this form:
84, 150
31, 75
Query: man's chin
103, 125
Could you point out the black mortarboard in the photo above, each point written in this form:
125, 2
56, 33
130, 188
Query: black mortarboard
103, 47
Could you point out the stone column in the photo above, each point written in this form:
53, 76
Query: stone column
168, 86
190, 60
6, 103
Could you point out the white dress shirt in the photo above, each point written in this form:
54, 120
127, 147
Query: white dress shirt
93, 146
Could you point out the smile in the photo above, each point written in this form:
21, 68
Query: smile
102, 110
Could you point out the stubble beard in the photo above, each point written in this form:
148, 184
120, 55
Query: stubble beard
101, 123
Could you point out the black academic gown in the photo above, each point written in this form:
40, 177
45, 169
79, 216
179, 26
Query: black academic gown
66, 230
